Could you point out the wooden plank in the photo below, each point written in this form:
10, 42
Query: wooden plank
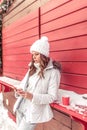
14, 76
71, 55
24, 27
69, 44
21, 50
39, 126
15, 4
74, 80
62, 118
22, 35
71, 31
16, 64
19, 8
53, 4
16, 70
21, 57
27, 18
21, 28
55, 125
74, 67
73, 88
24, 11
49, 22
68, 7
21, 43
76, 125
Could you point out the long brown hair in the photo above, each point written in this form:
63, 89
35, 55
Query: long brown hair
43, 64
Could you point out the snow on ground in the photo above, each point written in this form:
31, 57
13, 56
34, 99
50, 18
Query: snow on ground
6, 123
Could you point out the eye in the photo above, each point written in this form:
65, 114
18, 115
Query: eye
37, 54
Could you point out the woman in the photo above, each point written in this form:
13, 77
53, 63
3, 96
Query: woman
39, 88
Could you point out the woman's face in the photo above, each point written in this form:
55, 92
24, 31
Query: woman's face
36, 57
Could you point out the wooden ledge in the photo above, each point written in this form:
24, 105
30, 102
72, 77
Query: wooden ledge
8, 82
73, 114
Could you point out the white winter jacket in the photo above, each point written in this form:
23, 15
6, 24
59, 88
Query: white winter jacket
45, 92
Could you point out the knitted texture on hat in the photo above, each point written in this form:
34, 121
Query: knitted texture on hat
41, 46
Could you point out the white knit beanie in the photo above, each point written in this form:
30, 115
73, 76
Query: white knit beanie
41, 46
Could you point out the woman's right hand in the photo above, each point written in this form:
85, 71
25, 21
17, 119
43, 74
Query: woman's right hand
19, 91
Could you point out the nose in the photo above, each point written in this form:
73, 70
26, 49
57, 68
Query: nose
34, 57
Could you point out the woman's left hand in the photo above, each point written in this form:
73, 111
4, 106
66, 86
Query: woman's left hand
25, 94
28, 95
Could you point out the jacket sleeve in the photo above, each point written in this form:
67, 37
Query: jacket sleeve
23, 83
52, 92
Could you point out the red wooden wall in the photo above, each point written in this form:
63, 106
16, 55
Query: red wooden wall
16, 41
65, 23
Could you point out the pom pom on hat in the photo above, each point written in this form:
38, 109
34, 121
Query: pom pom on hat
41, 46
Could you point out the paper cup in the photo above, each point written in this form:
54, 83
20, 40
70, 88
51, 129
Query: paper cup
65, 100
